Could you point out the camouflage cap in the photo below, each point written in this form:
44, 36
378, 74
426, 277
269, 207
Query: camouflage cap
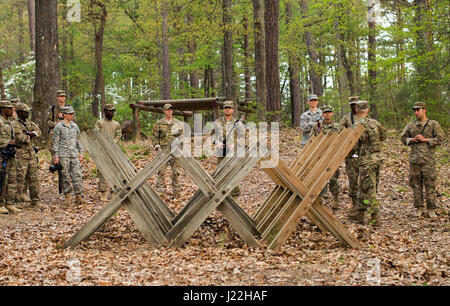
228, 104
326, 108
14, 100
109, 107
419, 105
353, 100
22, 107
60, 93
6, 103
313, 97
361, 105
167, 106
67, 110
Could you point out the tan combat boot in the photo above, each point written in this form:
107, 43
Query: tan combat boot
79, 199
432, 213
36, 204
3, 210
104, 197
25, 198
67, 199
419, 212
11, 208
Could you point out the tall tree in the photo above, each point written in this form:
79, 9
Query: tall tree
165, 88
31, 24
228, 49
47, 65
273, 103
260, 55
371, 55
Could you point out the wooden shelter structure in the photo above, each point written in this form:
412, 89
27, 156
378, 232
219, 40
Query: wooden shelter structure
298, 187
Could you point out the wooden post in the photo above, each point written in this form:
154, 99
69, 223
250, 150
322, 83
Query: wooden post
136, 125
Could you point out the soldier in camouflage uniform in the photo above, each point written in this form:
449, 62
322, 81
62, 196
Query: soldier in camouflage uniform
324, 126
423, 135
164, 132
370, 160
69, 153
309, 118
112, 130
55, 116
7, 137
351, 161
229, 137
26, 157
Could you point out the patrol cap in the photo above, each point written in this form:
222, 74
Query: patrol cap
361, 105
353, 100
326, 108
313, 97
60, 93
22, 107
228, 104
14, 100
419, 105
67, 110
167, 106
6, 103
109, 107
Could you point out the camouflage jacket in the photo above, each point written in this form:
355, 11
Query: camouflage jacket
307, 120
53, 115
422, 152
6, 132
325, 128
165, 132
110, 128
66, 142
369, 144
25, 143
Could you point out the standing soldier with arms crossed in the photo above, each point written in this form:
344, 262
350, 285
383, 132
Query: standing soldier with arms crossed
164, 132
69, 154
423, 135
111, 129
370, 160
7, 144
324, 126
309, 118
26, 157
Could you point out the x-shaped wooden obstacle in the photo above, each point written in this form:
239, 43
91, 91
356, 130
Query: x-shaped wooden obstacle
295, 194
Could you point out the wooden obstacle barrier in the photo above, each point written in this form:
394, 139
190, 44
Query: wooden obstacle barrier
298, 187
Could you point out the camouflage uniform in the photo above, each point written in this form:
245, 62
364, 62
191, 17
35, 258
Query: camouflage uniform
27, 166
307, 121
370, 161
67, 148
422, 167
112, 130
164, 132
322, 127
53, 119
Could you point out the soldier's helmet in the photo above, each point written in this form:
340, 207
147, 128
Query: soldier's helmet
313, 97
22, 107
419, 105
14, 100
228, 104
362, 105
67, 110
327, 108
167, 106
60, 93
109, 107
6, 104
353, 100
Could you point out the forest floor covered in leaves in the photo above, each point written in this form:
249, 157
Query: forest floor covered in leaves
404, 251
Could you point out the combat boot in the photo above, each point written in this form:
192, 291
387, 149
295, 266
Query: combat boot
11, 208
432, 213
104, 197
335, 201
36, 204
67, 199
419, 212
357, 217
78, 199
3, 210
24, 198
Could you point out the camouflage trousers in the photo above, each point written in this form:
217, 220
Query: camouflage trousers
27, 177
351, 167
420, 176
71, 172
333, 184
161, 176
103, 185
236, 191
10, 186
367, 187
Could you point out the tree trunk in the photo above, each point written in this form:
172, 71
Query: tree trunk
2, 84
260, 56
228, 49
294, 78
21, 34
246, 50
31, 24
273, 105
371, 55
47, 65
165, 88
99, 87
